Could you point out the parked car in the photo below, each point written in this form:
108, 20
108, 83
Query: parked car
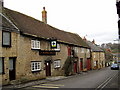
115, 66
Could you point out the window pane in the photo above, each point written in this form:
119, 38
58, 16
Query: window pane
38, 66
32, 44
1, 66
57, 63
35, 44
11, 64
6, 38
35, 66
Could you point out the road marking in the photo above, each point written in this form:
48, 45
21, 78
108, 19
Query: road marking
108, 81
101, 86
48, 86
44, 86
52, 84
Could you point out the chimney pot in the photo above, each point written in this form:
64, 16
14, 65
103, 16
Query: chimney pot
44, 15
93, 41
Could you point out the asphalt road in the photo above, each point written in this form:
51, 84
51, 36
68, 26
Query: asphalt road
94, 79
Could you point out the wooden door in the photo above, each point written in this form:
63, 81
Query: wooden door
75, 67
88, 64
48, 68
12, 66
81, 64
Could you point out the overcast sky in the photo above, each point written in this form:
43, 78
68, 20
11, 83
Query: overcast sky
95, 19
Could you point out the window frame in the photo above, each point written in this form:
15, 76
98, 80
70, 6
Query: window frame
57, 63
2, 58
82, 50
33, 66
3, 39
35, 45
76, 49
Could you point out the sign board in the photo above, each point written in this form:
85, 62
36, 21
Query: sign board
47, 52
53, 44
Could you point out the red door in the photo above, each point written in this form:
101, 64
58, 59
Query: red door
75, 67
81, 64
88, 64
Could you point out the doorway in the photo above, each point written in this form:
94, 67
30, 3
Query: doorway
81, 64
88, 64
12, 66
48, 68
75, 67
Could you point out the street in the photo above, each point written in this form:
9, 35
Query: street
95, 79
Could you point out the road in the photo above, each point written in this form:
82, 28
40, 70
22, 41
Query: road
94, 79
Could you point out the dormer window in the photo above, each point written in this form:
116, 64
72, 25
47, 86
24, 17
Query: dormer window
35, 44
6, 39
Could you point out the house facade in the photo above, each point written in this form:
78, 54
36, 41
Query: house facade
33, 50
97, 55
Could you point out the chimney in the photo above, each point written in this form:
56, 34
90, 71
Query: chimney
44, 15
84, 38
93, 41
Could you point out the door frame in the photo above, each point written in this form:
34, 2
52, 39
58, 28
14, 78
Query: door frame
48, 68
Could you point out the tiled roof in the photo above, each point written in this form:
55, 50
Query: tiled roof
94, 47
31, 26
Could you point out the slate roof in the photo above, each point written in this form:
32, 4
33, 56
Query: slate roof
31, 26
94, 47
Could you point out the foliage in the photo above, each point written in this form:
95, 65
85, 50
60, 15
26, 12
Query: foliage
115, 47
68, 66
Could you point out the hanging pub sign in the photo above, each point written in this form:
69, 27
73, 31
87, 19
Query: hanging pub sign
53, 43
47, 52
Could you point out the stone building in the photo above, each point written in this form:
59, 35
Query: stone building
32, 49
97, 55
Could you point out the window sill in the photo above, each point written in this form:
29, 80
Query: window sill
2, 73
6, 46
36, 71
35, 49
56, 67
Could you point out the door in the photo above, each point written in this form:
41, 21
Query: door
88, 64
12, 74
81, 64
75, 67
48, 68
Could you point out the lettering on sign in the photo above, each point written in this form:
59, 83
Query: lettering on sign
47, 52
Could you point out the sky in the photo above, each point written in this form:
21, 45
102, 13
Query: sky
94, 19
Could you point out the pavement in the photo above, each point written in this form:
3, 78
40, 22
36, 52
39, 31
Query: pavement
41, 81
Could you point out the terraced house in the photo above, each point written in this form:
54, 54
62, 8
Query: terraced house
97, 55
32, 49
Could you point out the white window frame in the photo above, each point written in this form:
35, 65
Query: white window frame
94, 56
57, 63
88, 50
35, 44
76, 49
82, 50
35, 66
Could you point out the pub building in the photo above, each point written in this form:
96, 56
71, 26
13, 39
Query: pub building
32, 49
